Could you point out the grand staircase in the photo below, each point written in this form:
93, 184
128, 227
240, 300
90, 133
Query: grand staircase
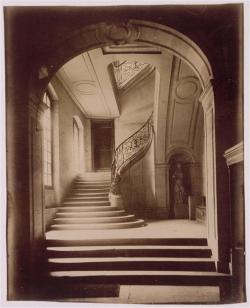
92, 248
87, 207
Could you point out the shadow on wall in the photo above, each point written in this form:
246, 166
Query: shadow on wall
138, 187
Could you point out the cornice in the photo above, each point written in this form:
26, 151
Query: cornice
234, 154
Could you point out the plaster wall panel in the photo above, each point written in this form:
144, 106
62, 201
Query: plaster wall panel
67, 110
138, 186
181, 122
136, 106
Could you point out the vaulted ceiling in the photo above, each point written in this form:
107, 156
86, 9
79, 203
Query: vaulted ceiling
97, 79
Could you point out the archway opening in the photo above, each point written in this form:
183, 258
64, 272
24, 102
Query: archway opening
176, 47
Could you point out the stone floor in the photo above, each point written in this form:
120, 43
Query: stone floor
150, 294
174, 228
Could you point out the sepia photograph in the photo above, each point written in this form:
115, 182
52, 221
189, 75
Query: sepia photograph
124, 153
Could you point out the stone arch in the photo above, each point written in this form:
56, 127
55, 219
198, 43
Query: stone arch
166, 38
104, 34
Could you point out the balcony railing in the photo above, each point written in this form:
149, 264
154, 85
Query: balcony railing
129, 152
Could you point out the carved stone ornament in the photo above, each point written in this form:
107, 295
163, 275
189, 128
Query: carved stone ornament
43, 72
117, 34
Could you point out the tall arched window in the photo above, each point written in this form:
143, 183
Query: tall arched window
78, 137
76, 141
47, 142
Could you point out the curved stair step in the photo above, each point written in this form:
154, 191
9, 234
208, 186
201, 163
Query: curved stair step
99, 226
86, 203
90, 220
110, 213
91, 208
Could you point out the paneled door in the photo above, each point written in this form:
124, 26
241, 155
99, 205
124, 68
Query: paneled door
102, 144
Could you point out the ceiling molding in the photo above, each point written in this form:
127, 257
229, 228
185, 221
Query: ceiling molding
235, 154
86, 87
60, 77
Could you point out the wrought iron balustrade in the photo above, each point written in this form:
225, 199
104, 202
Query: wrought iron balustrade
129, 152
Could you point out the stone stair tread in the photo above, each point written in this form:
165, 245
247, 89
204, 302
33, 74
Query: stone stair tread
126, 259
91, 214
107, 238
92, 184
88, 208
89, 219
84, 202
135, 273
75, 196
90, 194
130, 247
94, 180
95, 225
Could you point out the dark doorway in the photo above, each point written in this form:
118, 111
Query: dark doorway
102, 144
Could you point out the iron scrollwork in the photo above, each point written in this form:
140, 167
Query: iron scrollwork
129, 151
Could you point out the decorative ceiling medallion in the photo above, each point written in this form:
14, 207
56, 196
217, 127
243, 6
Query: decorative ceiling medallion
86, 87
117, 34
187, 88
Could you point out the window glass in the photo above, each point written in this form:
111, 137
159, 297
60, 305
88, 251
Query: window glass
47, 142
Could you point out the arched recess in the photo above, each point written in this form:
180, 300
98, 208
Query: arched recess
165, 38
78, 144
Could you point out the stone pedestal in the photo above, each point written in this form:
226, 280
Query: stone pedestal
181, 211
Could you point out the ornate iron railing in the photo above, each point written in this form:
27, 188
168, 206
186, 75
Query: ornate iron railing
129, 152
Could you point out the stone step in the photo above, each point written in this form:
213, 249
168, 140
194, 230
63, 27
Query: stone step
91, 185
193, 242
91, 208
85, 203
90, 190
98, 226
104, 182
88, 194
94, 177
130, 251
111, 213
132, 263
150, 277
87, 198
95, 220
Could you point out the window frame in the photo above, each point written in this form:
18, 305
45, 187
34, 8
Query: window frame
47, 186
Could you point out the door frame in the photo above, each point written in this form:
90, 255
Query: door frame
93, 122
